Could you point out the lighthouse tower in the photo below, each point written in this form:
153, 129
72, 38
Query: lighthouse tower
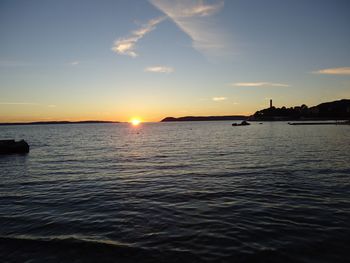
271, 103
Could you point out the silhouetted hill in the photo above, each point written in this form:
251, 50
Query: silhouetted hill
55, 122
205, 118
335, 110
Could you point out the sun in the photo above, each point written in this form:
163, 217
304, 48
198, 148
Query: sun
135, 121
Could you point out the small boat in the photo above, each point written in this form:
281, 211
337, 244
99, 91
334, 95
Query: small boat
11, 146
243, 123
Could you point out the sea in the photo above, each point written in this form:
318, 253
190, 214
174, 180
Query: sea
176, 192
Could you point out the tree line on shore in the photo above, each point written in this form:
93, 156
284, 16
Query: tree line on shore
329, 110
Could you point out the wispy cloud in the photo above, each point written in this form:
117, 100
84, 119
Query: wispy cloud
127, 46
334, 71
219, 98
187, 8
75, 62
259, 84
191, 16
52, 106
159, 69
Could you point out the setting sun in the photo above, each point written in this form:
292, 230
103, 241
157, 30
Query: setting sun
135, 122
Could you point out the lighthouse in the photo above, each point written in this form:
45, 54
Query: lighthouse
270, 103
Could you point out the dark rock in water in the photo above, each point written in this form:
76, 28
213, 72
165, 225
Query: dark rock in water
11, 146
243, 123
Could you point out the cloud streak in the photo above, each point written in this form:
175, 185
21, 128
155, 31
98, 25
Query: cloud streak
127, 46
259, 84
334, 71
192, 17
187, 8
219, 98
75, 63
159, 69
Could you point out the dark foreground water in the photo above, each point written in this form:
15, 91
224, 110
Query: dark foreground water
176, 192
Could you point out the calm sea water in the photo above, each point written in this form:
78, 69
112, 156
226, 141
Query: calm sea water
176, 192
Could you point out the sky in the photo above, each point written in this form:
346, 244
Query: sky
149, 59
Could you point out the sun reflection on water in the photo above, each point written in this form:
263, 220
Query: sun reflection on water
135, 122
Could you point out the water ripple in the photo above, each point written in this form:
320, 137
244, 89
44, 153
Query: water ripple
167, 192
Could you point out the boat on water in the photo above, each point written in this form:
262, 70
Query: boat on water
243, 123
11, 146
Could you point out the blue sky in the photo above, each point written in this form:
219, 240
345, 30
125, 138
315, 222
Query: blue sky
120, 59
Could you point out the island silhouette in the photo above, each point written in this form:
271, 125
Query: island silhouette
206, 118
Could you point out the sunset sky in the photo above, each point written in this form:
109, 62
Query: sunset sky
121, 59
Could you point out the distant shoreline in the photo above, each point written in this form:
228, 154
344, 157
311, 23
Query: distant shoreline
205, 118
199, 119
54, 122
335, 111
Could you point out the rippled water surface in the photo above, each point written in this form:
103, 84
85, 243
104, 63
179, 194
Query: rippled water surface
176, 192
